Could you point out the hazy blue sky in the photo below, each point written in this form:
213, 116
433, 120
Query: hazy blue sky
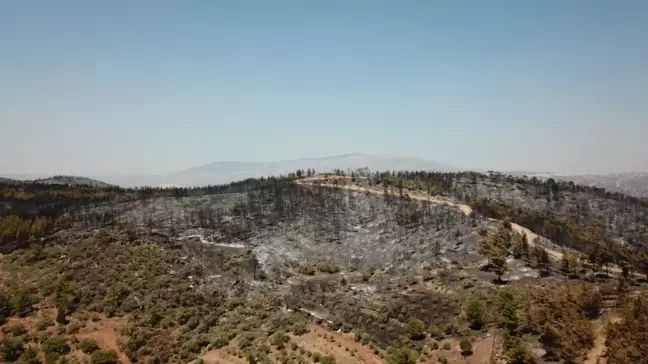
101, 87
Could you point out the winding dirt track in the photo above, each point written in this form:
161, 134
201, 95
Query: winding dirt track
467, 210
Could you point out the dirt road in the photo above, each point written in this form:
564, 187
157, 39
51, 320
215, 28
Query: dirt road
467, 210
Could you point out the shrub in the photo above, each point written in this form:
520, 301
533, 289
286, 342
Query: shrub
317, 357
435, 345
446, 346
57, 345
327, 267
5, 307
328, 360
278, 339
466, 346
365, 339
451, 329
104, 357
11, 349
73, 327
335, 325
436, 332
88, 346
22, 303
476, 313
443, 360
30, 356
245, 340
591, 302
401, 355
300, 328
509, 305
43, 323
516, 350
52, 358
196, 343
60, 315
15, 330
306, 269
415, 328
219, 342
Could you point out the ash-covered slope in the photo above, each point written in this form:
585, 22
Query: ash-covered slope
352, 230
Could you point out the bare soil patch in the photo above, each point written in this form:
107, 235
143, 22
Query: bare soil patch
104, 332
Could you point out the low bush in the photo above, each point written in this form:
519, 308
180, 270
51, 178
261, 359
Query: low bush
88, 346
436, 332
11, 349
300, 328
466, 346
416, 328
57, 345
15, 330
43, 323
104, 357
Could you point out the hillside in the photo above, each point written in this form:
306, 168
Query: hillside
73, 181
388, 267
633, 184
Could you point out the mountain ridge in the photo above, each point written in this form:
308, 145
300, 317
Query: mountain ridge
227, 171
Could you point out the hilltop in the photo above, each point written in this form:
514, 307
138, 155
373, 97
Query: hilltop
73, 181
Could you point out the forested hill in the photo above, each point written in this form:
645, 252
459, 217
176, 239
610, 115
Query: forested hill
395, 267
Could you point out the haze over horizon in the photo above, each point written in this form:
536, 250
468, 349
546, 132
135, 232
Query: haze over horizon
145, 87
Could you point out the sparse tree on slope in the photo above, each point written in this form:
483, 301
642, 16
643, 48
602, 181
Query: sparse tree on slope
627, 338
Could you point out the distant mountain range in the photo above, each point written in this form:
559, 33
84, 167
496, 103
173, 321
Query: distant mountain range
635, 184
225, 172
631, 183
222, 172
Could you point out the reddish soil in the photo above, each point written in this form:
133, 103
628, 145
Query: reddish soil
346, 350
104, 332
222, 357
481, 353
326, 342
318, 340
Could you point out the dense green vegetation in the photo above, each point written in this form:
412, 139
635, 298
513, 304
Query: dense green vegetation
166, 318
